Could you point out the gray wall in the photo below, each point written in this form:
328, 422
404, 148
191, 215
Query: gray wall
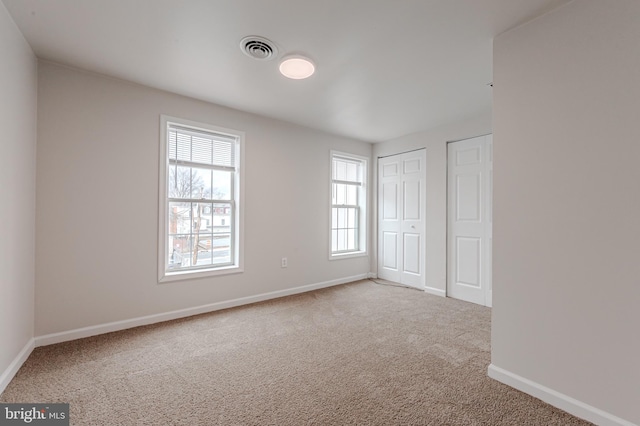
566, 305
18, 91
97, 221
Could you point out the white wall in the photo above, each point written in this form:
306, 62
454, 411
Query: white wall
18, 80
566, 306
97, 221
435, 142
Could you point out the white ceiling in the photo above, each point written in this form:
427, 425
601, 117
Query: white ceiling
385, 68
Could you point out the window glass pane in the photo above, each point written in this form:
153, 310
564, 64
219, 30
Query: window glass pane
221, 218
342, 239
179, 251
200, 183
340, 170
221, 189
171, 181
342, 218
186, 250
201, 220
179, 182
352, 195
351, 218
352, 172
207, 212
179, 218
341, 193
174, 252
203, 255
334, 240
334, 218
221, 249
351, 239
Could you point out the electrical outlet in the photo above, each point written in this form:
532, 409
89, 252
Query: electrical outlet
284, 262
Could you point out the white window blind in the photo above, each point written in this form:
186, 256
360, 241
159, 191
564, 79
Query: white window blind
189, 146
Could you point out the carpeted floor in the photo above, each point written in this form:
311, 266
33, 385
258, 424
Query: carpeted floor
360, 353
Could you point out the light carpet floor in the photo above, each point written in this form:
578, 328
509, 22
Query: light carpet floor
360, 353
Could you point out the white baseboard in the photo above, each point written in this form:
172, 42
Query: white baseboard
80, 333
12, 369
430, 290
557, 399
436, 291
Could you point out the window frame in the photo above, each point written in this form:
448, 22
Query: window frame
362, 206
237, 202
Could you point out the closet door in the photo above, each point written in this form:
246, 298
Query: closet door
469, 240
401, 218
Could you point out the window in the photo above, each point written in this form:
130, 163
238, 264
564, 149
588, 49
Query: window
348, 205
200, 200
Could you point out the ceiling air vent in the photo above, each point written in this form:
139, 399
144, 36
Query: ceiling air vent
258, 48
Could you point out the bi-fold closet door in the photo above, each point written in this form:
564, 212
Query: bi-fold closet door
469, 222
401, 218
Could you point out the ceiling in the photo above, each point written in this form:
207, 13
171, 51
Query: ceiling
384, 68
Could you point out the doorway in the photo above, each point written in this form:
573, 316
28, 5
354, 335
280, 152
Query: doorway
401, 218
469, 219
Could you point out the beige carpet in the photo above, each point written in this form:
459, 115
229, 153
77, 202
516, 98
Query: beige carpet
360, 353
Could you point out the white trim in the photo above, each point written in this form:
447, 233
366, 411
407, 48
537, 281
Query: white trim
435, 291
372, 275
79, 333
8, 374
557, 399
489, 300
348, 255
194, 274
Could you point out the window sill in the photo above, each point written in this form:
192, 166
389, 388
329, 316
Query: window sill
348, 255
190, 275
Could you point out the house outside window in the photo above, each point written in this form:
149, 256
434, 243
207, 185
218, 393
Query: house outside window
348, 205
200, 200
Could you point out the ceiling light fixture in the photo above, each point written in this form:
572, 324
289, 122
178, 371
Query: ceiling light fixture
297, 67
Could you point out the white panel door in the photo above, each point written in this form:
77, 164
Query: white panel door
401, 218
469, 241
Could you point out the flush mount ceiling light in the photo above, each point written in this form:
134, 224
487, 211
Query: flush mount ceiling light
297, 67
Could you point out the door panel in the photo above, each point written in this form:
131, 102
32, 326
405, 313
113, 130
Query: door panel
469, 220
469, 155
390, 201
469, 257
412, 166
412, 253
468, 197
401, 224
412, 200
389, 170
390, 250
